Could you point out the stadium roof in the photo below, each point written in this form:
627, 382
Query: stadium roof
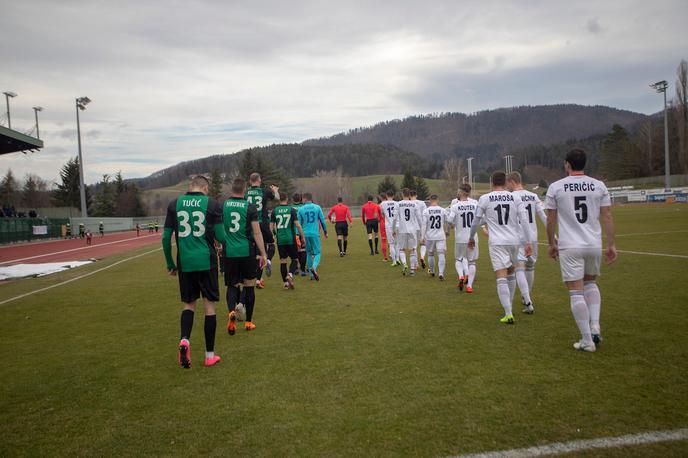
12, 141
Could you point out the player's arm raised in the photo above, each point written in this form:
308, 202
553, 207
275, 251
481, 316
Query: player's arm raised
610, 253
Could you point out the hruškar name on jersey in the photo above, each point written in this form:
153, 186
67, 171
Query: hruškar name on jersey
501, 198
191, 203
235, 203
583, 186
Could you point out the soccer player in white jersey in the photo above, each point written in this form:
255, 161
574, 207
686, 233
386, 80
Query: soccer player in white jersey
501, 210
433, 236
525, 270
407, 222
421, 208
577, 204
389, 209
462, 216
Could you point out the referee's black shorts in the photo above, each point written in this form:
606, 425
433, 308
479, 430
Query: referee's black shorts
288, 251
193, 285
341, 228
239, 270
372, 226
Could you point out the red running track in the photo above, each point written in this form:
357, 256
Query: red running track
76, 249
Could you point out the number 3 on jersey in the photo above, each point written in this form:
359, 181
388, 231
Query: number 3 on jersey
234, 219
197, 218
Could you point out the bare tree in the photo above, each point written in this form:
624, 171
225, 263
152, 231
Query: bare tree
452, 173
646, 132
327, 185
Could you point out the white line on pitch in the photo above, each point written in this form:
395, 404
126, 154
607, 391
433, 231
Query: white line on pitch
646, 253
76, 249
77, 278
649, 233
559, 448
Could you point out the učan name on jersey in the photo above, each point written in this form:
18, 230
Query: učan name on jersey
235, 203
582, 186
528, 197
191, 203
501, 198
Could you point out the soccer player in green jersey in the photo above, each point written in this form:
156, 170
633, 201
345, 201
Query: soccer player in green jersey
196, 221
243, 253
284, 224
261, 197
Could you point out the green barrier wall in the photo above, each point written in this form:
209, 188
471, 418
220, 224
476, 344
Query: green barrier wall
21, 229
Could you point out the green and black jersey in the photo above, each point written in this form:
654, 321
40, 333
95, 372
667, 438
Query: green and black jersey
238, 214
285, 217
193, 217
260, 197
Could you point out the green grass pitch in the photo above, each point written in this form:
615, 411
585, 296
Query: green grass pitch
364, 363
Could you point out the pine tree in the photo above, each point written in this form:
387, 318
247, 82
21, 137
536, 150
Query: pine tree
409, 181
619, 157
34, 191
67, 192
120, 185
215, 184
256, 163
8, 188
387, 185
422, 189
104, 204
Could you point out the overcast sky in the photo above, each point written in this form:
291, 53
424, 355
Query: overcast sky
177, 80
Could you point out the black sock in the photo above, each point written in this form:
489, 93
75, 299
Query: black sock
209, 328
293, 267
258, 277
302, 260
187, 323
370, 242
346, 242
271, 251
250, 301
283, 270
233, 294
375, 243
339, 244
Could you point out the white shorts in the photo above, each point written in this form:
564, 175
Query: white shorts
575, 263
522, 254
461, 251
439, 246
407, 241
503, 256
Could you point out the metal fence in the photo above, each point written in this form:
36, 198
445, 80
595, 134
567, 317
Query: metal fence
27, 229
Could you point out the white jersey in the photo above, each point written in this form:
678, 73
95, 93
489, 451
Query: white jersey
389, 209
434, 219
577, 200
453, 202
408, 218
501, 211
462, 216
533, 206
421, 207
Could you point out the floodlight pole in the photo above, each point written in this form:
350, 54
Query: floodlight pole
667, 172
9, 94
36, 110
82, 187
470, 171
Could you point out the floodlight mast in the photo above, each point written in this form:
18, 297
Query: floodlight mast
8, 95
36, 110
661, 86
81, 103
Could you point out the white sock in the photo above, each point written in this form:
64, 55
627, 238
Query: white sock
459, 268
414, 259
471, 274
402, 257
209, 354
441, 264
594, 303
423, 250
431, 262
523, 285
504, 296
392, 252
580, 313
511, 279
464, 261
530, 276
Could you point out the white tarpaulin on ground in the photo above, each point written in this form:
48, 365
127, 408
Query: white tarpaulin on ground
37, 270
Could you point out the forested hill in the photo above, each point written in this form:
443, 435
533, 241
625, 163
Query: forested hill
301, 161
497, 131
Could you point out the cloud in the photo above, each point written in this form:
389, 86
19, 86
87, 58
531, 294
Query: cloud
175, 80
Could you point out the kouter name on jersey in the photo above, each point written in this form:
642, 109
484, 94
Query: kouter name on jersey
466, 207
191, 203
584, 186
501, 198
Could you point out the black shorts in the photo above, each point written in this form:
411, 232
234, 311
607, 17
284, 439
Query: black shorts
268, 237
238, 270
193, 285
341, 228
288, 251
372, 226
